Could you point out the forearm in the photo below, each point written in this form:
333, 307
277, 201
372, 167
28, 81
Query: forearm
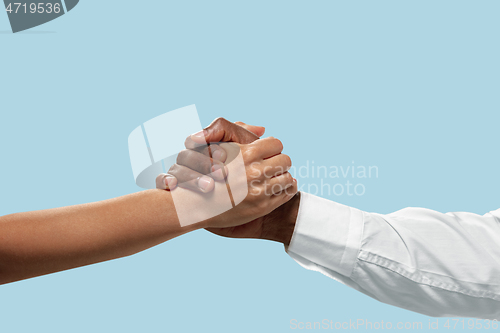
47, 241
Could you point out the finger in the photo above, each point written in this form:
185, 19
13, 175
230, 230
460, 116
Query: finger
201, 164
222, 130
192, 180
257, 130
197, 143
166, 182
287, 194
217, 153
279, 183
276, 165
268, 147
212, 150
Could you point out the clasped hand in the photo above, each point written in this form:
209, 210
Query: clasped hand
205, 165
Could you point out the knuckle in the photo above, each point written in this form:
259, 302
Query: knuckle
288, 161
276, 142
249, 154
279, 144
220, 121
174, 169
183, 155
272, 139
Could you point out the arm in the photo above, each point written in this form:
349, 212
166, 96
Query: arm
47, 241
43, 242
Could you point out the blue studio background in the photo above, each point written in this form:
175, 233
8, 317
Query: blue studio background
409, 87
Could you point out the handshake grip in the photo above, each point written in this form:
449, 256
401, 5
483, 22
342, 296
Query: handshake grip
156, 144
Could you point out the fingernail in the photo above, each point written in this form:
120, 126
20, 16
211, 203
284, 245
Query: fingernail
170, 182
217, 172
204, 183
200, 134
217, 155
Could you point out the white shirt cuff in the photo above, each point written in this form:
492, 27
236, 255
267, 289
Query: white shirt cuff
327, 233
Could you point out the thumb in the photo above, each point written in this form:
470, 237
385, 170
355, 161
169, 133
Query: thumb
222, 130
257, 130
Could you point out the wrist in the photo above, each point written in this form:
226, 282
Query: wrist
162, 209
279, 225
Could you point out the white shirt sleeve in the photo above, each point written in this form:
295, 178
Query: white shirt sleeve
442, 265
